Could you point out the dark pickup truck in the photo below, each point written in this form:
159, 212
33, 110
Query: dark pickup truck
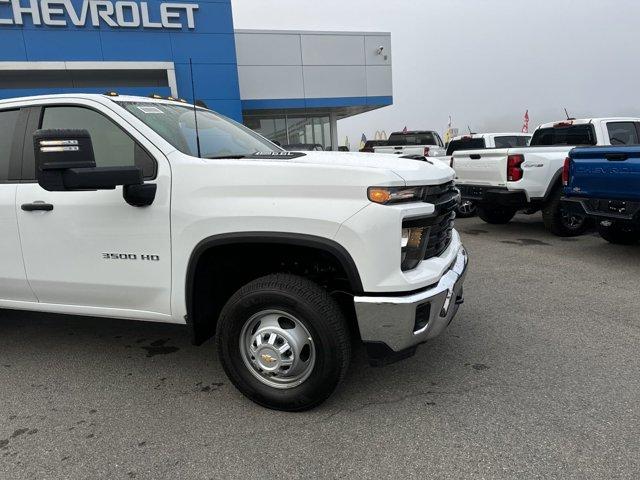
604, 183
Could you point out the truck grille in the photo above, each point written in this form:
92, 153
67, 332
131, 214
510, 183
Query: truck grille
445, 199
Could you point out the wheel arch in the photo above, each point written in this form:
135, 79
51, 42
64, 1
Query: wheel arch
209, 245
555, 183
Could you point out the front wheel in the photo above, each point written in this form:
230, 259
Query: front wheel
284, 342
619, 234
562, 222
496, 215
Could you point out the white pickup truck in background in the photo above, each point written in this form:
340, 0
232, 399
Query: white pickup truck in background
504, 181
478, 141
422, 143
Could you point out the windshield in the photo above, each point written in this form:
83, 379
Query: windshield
571, 136
220, 136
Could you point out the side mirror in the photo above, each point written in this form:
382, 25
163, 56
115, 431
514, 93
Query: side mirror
65, 162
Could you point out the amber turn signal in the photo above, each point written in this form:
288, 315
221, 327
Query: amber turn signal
379, 194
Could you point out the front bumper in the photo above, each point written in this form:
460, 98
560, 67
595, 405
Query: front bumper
500, 196
396, 324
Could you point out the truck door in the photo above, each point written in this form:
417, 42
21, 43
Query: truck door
13, 281
90, 250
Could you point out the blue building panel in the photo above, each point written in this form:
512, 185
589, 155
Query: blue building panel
211, 17
12, 46
62, 45
210, 81
211, 48
229, 108
143, 46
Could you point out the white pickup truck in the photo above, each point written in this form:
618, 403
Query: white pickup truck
422, 143
485, 141
127, 207
478, 141
504, 181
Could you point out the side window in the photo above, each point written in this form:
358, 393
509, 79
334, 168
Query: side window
112, 147
8, 122
622, 133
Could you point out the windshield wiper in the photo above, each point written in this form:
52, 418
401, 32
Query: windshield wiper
224, 157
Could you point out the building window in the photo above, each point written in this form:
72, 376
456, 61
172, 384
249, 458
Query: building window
290, 129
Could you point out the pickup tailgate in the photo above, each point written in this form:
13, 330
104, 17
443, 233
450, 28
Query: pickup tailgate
605, 172
481, 167
399, 150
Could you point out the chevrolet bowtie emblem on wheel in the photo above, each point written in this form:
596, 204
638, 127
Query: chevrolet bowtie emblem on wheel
267, 358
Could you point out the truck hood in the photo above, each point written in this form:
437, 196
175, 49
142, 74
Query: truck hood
411, 172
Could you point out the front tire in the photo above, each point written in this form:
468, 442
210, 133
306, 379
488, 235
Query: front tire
496, 215
561, 222
284, 342
619, 235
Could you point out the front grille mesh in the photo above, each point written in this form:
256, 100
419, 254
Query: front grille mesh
445, 199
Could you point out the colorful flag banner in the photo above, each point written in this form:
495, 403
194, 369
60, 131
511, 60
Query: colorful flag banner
525, 125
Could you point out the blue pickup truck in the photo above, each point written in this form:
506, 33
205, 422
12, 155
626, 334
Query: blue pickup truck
604, 183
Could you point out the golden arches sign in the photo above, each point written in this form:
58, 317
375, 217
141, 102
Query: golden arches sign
380, 135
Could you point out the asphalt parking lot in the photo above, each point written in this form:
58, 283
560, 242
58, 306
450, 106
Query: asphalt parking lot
538, 377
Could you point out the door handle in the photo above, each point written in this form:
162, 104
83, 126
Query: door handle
616, 157
474, 156
35, 206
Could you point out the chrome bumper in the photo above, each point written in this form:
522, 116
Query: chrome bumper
392, 320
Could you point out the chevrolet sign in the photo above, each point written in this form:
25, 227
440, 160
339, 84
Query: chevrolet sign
114, 14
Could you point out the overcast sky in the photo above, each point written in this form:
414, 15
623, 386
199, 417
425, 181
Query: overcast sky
484, 62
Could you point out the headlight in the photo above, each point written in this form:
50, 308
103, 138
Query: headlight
414, 241
386, 195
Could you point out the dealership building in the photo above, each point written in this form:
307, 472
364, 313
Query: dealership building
291, 86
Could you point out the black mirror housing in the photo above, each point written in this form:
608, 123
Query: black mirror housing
103, 178
65, 161
59, 150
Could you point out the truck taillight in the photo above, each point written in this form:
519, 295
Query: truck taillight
565, 171
514, 167
426, 151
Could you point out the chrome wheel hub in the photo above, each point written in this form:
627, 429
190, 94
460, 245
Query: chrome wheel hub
277, 349
467, 207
